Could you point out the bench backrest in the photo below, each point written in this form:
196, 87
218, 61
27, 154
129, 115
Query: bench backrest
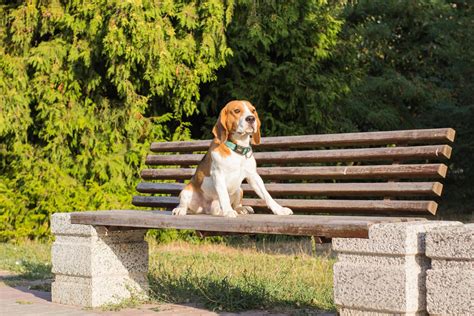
395, 172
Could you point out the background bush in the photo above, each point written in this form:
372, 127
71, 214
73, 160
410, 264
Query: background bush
86, 86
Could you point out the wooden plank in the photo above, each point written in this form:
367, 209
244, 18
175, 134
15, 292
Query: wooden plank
163, 188
324, 189
420, 136
311, 205
350, 206
334, 155
409, 171
301, 225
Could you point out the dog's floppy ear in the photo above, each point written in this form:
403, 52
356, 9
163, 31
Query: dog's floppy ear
256, 135
220, 131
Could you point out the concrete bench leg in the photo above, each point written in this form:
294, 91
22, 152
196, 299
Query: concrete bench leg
385, 274
450, 281
94, 266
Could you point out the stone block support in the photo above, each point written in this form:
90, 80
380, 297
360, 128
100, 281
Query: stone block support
94, 266
385, 274
450, 281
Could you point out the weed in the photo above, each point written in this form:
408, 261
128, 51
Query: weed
135, 300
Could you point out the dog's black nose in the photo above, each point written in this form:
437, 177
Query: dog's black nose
250, 119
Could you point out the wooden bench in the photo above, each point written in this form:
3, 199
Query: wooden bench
363, 178
373, 189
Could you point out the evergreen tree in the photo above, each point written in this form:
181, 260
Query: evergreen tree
413, 66
279, 49
85, 86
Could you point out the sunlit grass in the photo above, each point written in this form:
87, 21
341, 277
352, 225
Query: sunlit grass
31, 260
218, 276
225, 278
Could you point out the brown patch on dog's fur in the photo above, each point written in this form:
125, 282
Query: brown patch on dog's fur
189, 187
228, 120
223, 150
220, 130
226, 125
203, 170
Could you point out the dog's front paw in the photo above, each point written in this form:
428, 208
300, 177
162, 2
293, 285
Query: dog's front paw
283, 211
244, 210
179, 211
230, 213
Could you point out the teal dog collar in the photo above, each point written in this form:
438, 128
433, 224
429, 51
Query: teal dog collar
238, 149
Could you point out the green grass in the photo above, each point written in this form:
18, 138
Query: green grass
30, 260
225, 278
221, 277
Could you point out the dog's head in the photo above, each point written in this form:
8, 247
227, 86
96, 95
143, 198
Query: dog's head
237, 117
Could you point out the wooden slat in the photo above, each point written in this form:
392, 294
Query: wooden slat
324, 189
312, 225
163, 188
350, 172
329, 206
421, 136
334, 155
350, 206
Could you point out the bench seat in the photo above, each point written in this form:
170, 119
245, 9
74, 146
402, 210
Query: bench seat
299, 225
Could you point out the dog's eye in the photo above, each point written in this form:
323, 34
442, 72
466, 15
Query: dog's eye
253, 111
237, 111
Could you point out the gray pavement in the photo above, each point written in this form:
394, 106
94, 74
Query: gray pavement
20, 300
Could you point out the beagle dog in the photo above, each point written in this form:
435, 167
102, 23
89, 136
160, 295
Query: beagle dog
215, 187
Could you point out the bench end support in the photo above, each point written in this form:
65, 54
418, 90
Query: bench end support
386, 273
94, 266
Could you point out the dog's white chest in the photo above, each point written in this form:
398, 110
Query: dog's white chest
234, 169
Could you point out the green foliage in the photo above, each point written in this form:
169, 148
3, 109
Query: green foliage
413, 56
415, 69
279, 48
84, 88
